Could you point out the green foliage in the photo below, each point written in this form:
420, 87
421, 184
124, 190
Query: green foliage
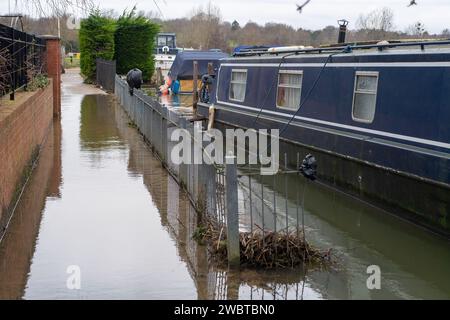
38, 82
200, 234
134, 43
96, 41
130, 41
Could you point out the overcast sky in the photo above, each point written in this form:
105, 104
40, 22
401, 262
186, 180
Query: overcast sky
317, 14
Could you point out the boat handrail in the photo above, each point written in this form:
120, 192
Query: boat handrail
346, 48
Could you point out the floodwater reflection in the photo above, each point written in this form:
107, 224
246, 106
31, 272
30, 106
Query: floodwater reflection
100, 200
18, 245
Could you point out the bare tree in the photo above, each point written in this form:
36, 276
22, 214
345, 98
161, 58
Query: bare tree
152, 15
203, 28
377, 22
56, 7
417, 29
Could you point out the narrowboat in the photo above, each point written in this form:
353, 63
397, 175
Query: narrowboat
165, 52
377, 117
182, 69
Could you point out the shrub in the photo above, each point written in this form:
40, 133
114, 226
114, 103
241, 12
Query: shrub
38, 82
134, 43
96, 41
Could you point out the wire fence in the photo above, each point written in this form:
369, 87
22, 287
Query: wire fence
263, 203
203, 182
273, 203
21, 58
105, 74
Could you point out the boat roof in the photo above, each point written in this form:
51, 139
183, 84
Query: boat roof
386, 52
183, 68
438, 46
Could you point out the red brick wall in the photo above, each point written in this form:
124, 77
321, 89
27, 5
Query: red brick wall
23, 128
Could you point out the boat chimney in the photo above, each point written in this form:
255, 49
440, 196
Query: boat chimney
342, 30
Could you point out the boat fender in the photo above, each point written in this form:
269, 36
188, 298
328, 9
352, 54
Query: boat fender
175, 87
164, 89
309, 167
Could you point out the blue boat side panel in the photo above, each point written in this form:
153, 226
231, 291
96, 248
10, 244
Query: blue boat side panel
411, 128
380, 152
404, 105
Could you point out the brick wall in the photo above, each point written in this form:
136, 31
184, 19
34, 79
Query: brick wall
24, 228
53, 68
23, 128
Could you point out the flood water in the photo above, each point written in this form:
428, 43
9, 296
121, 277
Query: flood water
101, 202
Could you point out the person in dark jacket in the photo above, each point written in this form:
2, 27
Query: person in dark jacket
134, 79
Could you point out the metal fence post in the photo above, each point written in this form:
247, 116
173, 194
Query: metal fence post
203, 175
191, 164
210, 195
233, 248
183, 167
164, 137
13, 72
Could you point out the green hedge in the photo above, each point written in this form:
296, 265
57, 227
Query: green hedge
134, 44
96, 41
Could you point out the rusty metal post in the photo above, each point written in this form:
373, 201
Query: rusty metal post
195, 86
159, 77
233, 249
210, 72
210, 68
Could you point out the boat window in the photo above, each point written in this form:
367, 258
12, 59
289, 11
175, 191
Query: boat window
161, 41
289, 89
238, 84
170, 43
365, 96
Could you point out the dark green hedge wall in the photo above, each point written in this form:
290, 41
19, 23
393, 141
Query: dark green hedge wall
96, 41
134, 44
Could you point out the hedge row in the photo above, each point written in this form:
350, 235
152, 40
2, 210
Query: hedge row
130, 40
96, 41
135, 41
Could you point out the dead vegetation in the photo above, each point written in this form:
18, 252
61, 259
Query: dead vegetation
266, 249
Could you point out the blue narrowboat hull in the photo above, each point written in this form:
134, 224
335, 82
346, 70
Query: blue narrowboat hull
409, 136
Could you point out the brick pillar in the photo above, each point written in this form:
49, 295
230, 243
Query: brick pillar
53, 62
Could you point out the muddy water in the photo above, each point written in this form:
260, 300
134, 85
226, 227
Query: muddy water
100, 203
